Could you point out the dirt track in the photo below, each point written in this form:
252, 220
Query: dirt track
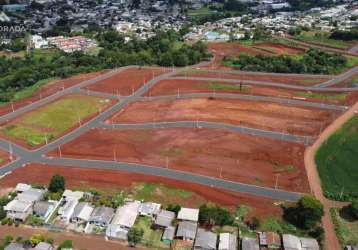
210, 152
262, 115
127, 81
279, 49
331, 241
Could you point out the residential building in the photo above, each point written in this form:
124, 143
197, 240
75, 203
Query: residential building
188, 214
309, 244
291, 242
72, 195
164, 218
101, 216
227, 241
43, 246
168, 235
18, 210
31, 195
22, 187
149, 209
205, 240
249, 244
43, 209
14, 246
269, 240
82, 213
67, 210
186, 230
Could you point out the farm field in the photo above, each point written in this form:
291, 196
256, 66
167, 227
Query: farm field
254, 114
336, 162
173, 86
127, 81
210, 152
287, 79
44, 89
113, 180
52, 120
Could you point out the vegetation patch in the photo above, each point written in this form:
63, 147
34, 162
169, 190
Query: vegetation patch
337, 161
151, 238
346, 228
29, 91
222, 86
322, 96
159, 193
324, 38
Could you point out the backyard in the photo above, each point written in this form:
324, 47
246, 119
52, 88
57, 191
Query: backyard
346, 228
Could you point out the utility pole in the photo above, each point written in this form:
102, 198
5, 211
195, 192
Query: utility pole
167, 162
178, 94
46, 139
114, 155
221, 171
12, 106
276, 183
59, 150
10, 151
342, 191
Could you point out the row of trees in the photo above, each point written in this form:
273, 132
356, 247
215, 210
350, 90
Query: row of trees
313, 62
347, 35
164, 49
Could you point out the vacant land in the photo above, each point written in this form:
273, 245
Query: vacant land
127, 81
345, 226
322, 38
44, 89
337, 162
278, 49
84, 178
182, 86
287, 79
211, 152
52, 120
4, 158
255, 114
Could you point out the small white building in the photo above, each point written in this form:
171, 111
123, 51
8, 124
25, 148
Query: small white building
188, 214
18, 210
82, 213
227, 241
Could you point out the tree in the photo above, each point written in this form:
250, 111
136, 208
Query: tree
135, 235
36, 239
306, 214
57, 184
174, 208
353, 209
212, 214
66, 244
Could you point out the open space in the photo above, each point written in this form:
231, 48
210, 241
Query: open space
263, 115
127, 81
52, 120
277, 48
322, 38
346, 227
210, 152
4, 158
337, 162
113, 180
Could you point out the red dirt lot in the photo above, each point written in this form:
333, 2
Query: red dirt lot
4, 158
279, 49
109, 179
50, 89
301, 80
263, 115
243, 158
127, 81
173, 86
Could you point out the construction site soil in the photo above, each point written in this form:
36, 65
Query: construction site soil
211, 152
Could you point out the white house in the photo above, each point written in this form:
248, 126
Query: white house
188, 214
18, 210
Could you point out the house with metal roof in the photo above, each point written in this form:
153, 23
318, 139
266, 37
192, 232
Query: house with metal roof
101, 216
67, 210
205, 240
82, 213
31, 195
164, 218
227, 241
149, 209
18, 210
250, 244
187, 230
43, 246
72, 195
14, 246
22, 187
291, 242
168, 235
43, 209
309, 244
188, 214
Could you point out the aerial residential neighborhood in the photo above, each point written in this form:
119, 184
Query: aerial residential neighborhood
179, 124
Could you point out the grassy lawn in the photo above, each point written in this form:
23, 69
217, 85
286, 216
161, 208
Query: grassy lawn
53, 119
322, 96
346, 229
223, 86
151, 238
352, 61
337, 162
322, 38
158, 192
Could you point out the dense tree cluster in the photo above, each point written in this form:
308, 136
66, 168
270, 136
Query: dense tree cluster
347, 35
211, 214
302, 5
313, 62
165, 49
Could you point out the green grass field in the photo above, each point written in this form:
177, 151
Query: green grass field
29, 91
222, 86
346, 229
322, 38
337, 162
322, 96
151, 238
53, 119
153, 192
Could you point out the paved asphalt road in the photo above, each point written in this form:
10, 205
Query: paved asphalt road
37, 156
339, 78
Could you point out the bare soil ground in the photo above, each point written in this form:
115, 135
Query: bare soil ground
4, 158
108, 179
279, 49
301, 80
126, 82
50, 89
239, 157
263, 115
173, 86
